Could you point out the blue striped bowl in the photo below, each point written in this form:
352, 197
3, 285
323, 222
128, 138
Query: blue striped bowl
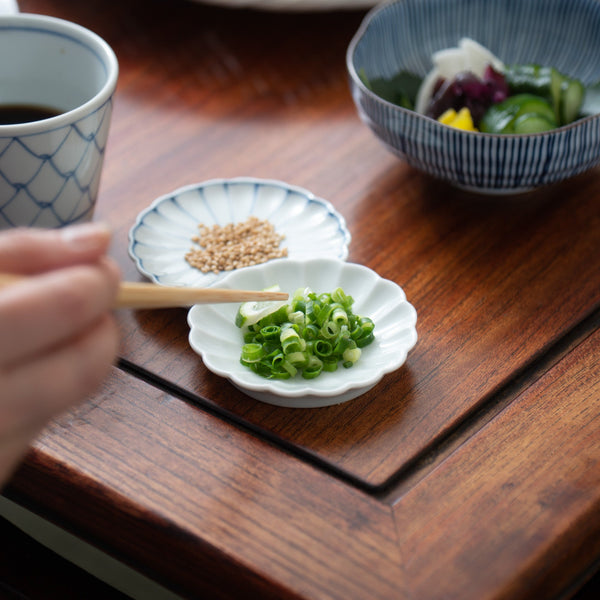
404, 34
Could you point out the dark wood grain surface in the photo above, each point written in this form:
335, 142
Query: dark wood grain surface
471, 472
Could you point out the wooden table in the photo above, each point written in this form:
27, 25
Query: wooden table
471, 472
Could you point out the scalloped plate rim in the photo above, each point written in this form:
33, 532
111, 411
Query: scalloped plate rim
306, 395
345, 234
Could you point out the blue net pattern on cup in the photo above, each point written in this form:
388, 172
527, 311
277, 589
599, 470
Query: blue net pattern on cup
58, 174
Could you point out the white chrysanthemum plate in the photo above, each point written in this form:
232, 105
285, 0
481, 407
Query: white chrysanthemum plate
162, 234
215, 337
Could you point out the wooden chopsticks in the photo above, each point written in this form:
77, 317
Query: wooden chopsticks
150, 295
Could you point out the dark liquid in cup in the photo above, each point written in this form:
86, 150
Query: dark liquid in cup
11, 114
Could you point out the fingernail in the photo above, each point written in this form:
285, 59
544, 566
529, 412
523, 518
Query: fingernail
86, 235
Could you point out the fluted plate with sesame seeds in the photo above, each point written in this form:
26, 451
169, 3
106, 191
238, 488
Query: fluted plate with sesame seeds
163, 233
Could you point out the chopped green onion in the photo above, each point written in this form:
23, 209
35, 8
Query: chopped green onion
343, 343
282, 367
338, 295
366, 324
280, 316
296, 317
277, 360
279, 374
252, 352
323, 348
289, 367
365, 340
323, 314
290, 340
309, 311
330, 364
351, 355
259, 368
249, 337
330, 329
297, 359
298, 304
339, 315
270, 332
313, 368
310, 334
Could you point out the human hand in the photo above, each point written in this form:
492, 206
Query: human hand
58, 338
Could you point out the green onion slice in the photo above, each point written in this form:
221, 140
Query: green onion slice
308, 335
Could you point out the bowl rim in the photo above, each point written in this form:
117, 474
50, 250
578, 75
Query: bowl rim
357, 82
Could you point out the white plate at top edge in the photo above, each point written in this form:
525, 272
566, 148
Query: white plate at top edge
162, 233
295, 5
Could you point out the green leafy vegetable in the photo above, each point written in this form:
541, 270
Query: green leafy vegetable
401, 89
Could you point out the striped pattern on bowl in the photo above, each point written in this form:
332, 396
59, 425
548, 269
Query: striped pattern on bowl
403, 36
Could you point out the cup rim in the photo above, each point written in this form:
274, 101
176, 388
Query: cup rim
82, 35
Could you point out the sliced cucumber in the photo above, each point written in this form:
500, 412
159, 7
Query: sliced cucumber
498, 119
564, 93
572, 93
529, 79
555, 92
522, 113
529, 104
532, 123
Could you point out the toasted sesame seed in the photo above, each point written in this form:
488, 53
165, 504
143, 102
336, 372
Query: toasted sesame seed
235, 245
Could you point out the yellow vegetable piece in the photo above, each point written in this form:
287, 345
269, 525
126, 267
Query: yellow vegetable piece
447, 117
461, 119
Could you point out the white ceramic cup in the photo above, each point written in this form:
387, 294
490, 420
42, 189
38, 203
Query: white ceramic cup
50, 169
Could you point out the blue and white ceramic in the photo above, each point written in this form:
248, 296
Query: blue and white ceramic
162, 234
215, 337
404, 34
50, 169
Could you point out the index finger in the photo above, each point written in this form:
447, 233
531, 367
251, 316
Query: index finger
28, 251
42, 312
